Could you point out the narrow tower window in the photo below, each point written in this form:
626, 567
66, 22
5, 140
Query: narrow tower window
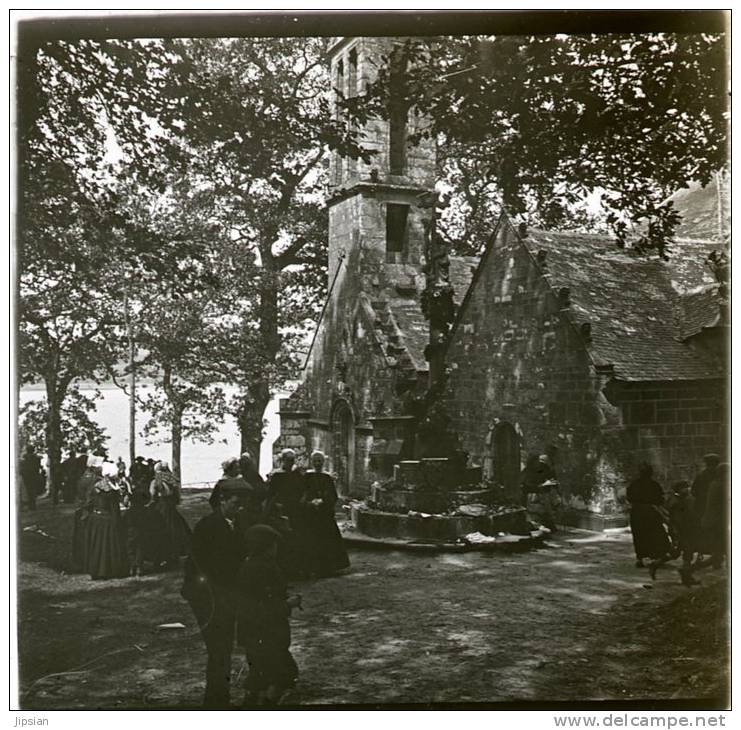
396, 227
352, 91
398, 113
352, 74
339, 92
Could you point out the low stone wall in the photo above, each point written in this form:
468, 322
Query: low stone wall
376, 523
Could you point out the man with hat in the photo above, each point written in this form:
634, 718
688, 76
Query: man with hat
218, 549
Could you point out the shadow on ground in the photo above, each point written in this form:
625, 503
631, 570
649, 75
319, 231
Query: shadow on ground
572, 621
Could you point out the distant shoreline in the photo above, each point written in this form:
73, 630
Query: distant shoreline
85, 385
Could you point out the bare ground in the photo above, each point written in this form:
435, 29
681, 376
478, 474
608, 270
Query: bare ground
573, 621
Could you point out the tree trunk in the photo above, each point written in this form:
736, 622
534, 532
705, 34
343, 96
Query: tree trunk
176, 435
258, 393
54, 440
132, 378
250, 419
176, 426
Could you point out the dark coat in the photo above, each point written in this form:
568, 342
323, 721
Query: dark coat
105, 539
320, 535
284, 511
650, 538
285, 490
217, 552
700, 488
32, 474
263, 628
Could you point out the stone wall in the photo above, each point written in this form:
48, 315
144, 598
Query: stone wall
671, 425
349, 378
515, 358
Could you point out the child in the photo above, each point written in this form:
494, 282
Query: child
263, 609
684, 527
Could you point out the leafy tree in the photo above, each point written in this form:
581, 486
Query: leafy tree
537, 123
91, 114
256, 120
78, 430
67, 297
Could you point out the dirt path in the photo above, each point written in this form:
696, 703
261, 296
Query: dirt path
572, 621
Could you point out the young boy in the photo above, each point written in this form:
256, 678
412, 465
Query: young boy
263, 610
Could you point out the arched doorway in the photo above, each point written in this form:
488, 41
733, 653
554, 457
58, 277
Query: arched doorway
343, 446
505, 448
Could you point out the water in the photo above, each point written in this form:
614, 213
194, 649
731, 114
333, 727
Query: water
199, 462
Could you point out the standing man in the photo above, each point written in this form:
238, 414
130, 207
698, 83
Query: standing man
218, 550
702, 482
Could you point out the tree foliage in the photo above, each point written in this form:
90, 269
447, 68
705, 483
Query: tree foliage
256, 124
540, 122
78, 430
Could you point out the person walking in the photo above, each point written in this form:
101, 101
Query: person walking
685, 527
319, 534
218, 549
650, 539
714, 522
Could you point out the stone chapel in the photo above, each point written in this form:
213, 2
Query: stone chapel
562, 344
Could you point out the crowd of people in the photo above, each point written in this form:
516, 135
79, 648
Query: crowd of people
259, 534
690, 522
123, 521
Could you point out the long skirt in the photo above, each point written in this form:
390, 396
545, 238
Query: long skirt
105, 547
650, 538
146, 536
322, 542
176, 528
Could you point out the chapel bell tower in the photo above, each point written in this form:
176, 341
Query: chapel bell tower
376, 222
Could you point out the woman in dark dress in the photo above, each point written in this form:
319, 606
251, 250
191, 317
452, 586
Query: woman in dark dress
165, 495
320, 535
283, 511
105, 550
86, 483
263, 610
650, 538
146, 532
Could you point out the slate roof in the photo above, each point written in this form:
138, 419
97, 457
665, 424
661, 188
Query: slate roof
635, 305
697, 309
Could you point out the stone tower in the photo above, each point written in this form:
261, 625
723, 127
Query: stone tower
366, 358
375, 205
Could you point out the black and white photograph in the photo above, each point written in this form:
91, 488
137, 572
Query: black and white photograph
371, 360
